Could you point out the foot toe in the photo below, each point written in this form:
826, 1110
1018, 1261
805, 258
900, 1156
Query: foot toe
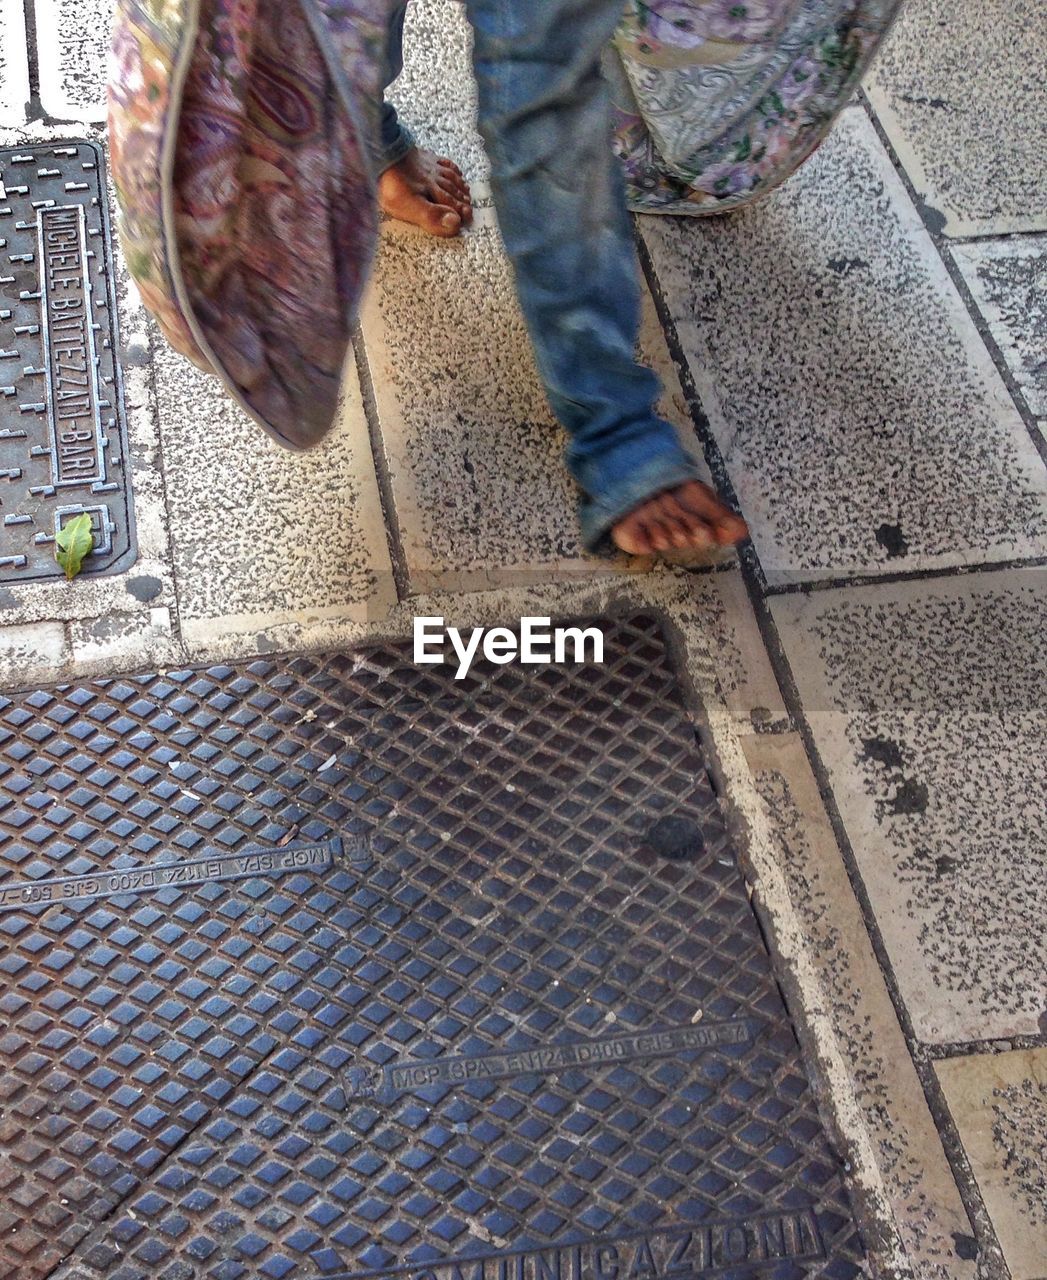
697, 533
674, 521
449, 222
689, 516
445, 192
731, 529
726, 527
660, 535
630, 536
439, 219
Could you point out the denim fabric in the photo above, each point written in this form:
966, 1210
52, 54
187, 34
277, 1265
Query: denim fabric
545, 117
394, 141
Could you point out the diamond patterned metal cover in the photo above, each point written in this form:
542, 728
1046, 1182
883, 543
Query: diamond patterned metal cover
336, 966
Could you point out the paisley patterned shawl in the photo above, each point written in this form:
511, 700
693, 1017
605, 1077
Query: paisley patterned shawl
719, 101
239, 150
241, 132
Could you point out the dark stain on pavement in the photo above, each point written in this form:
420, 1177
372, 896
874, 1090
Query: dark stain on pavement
891, 538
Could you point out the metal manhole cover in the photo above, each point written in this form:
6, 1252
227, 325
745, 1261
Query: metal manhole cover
62, 439
331, 966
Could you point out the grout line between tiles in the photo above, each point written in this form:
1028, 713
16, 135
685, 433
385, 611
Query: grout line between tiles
29, 11
982, 1048
807, 587
989, 237
397, 557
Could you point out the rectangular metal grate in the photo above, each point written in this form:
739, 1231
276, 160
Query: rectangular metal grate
62, 434
335, 966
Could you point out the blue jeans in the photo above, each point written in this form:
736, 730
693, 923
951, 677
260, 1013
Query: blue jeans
545, 117
395, 141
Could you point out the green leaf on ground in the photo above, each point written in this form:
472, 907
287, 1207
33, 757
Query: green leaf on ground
74, 542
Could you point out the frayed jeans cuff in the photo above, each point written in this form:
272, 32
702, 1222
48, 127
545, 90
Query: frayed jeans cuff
392, 152
598, 516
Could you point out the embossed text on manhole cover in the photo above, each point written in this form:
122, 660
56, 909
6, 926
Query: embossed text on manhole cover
339, 966
62, 435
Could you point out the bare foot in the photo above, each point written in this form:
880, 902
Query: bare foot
689, 516
428, 191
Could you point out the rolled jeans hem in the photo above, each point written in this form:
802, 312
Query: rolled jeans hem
598, 515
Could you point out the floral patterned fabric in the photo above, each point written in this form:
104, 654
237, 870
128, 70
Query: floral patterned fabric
718, 101
240, 158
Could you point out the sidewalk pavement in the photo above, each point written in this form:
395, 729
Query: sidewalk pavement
859, 360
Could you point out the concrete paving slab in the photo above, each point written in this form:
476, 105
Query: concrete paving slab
861, 418
959, 92
1008, 280
261, 535
926, 703
14, 64
38, 651
72, 51
472, 451
918, 1181
435, 94
125, 642
999, 1105
744, 673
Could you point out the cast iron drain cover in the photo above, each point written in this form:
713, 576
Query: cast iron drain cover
337, 966
62, 446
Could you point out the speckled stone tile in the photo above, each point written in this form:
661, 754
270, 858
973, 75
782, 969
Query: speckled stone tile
1008, 281
473, 453
959, 90
263, 536
861, 418
918, 1183
14, 63
926, 701
72, 50
436, 95
999, 1105
471, 448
